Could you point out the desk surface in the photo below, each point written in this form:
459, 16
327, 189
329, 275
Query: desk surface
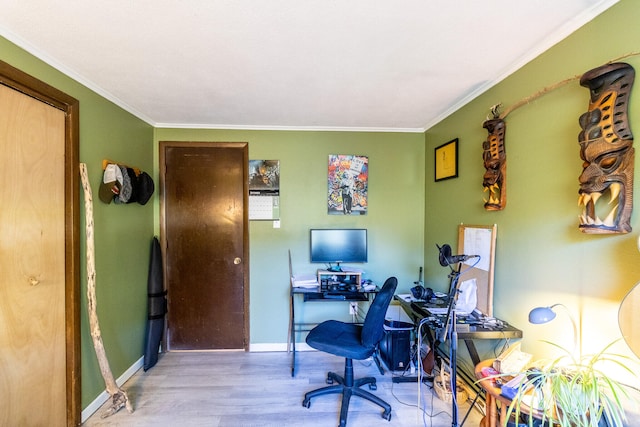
468, 329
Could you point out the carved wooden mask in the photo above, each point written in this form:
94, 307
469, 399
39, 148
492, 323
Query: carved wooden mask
606, 147
494, 155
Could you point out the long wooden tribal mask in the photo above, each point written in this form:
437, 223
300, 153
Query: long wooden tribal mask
494, 181
606, 147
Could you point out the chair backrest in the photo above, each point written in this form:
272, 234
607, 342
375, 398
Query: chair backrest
373, 327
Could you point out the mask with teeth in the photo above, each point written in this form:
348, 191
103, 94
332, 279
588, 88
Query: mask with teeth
606, 147
494, 155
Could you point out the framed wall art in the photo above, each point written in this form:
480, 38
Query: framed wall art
446, 160
347, 181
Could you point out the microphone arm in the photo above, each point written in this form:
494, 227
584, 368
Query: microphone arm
446, 258
454, 259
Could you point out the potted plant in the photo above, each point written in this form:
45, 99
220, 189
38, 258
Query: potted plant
574, 392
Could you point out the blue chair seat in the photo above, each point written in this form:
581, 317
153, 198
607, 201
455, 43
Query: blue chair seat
341, 339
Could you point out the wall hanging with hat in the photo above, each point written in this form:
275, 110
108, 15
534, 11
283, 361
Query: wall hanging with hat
124, 184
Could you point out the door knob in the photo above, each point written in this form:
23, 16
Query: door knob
237, 260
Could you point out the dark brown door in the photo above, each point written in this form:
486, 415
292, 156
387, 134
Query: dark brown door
206, 247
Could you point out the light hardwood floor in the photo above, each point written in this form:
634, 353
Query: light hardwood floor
256, 389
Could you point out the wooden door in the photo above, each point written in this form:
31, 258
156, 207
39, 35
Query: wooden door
39, 335
204, 202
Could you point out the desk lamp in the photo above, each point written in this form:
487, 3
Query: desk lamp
540, 315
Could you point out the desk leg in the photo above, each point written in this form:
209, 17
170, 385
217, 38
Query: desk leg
290, 322
491, 410
292, 332
473, 352
503, 413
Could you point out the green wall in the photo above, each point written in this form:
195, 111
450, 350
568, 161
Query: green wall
541, 256
395, 218
122, 232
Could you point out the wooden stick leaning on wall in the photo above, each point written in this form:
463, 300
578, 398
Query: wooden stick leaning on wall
119, 397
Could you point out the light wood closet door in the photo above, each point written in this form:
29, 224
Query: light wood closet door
32, 262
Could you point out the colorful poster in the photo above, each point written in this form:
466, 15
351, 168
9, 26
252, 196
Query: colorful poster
348, 184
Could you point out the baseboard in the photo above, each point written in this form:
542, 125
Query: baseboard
104, 396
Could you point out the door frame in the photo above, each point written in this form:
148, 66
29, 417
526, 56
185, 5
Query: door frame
162, 146
20, 81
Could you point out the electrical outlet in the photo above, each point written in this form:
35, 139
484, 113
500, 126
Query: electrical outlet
353, 308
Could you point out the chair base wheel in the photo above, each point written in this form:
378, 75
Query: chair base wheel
373, 386
306, 403
386, 415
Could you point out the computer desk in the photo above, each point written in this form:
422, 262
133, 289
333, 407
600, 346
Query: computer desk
467, 331
315, 295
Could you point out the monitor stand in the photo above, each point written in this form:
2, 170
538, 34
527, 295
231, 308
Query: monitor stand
336, 269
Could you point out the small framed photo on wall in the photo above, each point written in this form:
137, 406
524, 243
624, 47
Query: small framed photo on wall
446, 160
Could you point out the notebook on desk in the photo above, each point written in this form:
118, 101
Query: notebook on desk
306, 281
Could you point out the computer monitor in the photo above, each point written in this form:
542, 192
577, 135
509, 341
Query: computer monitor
335, 246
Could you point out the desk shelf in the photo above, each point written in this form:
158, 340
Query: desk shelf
328, 278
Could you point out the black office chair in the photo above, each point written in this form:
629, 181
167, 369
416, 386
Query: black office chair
353, 341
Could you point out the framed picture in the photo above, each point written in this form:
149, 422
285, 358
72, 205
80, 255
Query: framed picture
348, 178
446, 160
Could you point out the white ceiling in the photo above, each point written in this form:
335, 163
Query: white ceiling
291, 64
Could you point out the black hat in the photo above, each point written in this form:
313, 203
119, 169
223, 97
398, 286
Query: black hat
144, 188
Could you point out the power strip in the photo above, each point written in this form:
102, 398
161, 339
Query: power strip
353, 308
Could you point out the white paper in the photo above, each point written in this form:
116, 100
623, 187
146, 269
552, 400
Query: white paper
477, 241
468, 296
305, 281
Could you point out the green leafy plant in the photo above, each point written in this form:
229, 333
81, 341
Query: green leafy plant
576, 392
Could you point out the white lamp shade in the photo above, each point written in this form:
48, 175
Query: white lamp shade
541, 315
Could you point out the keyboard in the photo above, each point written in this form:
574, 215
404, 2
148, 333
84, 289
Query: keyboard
344, 295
